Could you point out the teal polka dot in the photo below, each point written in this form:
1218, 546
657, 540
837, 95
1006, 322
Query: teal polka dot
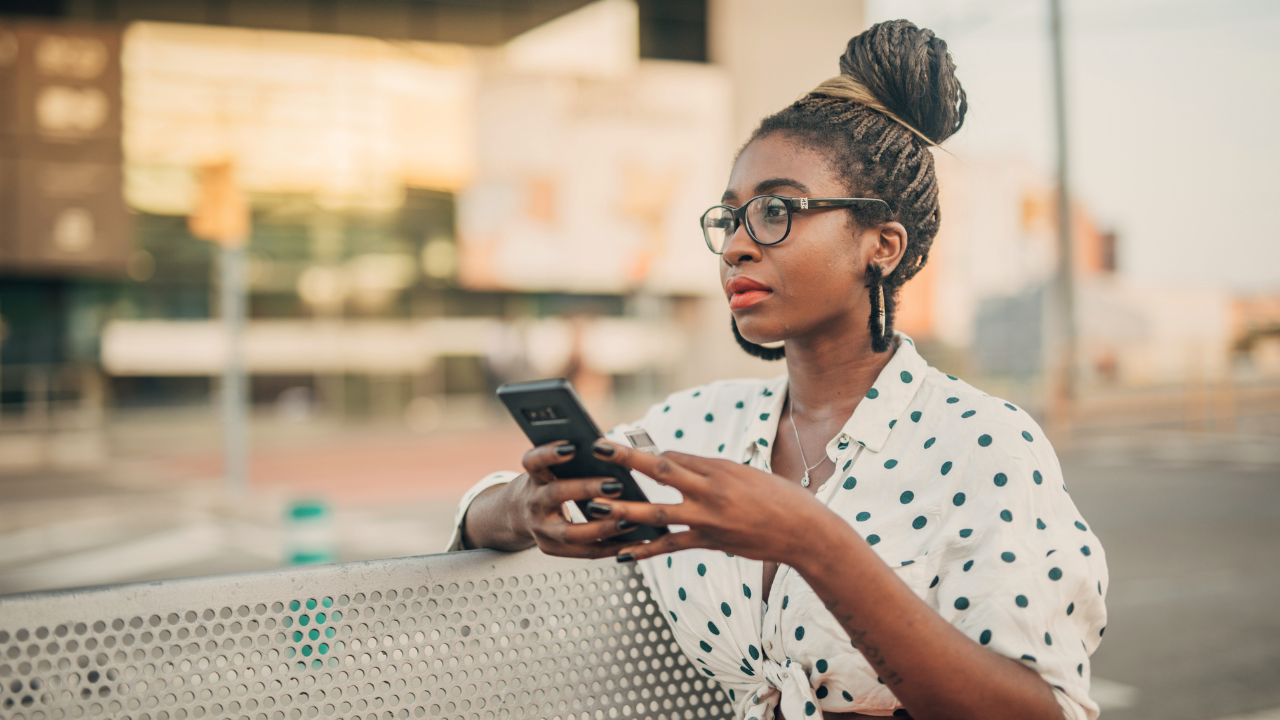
724, 608
1008, 557
984, 440
850, 482
890, 464
934, 584
1037, 477
958, 499
968, 413
673, 616
785, 600
907, 562
702, 569
967, 566
1086, 551
1011, 407
919, 522
767, 392
821, 692
708, 672
1026, 436
915, 416
709, 417
892, 423
762, 442
847, 696
953, 400
873, 539
1021, 601
697, 393
1071, 608
821, 665
1080, 525
906, 497
682, 594
712, 627
862, 516
847, 463
764, 416
844, 444
679, 434
985, 637
721, 448
1006, 516
966, 532
953, 377
1032, 658
1047, 639
1001, 479
738, 404
799, 632
872, 394
906, 376
755, 654
665, 409
1040, 524
746, 591
946, 467
1055, 574
962, 603
809, 709
706, 646
929, 443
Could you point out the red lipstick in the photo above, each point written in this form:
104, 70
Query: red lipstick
744, 292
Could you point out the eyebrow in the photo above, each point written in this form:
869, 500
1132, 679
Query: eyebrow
764, 187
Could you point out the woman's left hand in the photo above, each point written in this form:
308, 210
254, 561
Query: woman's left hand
728, 506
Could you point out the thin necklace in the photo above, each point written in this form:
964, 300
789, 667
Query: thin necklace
804, 482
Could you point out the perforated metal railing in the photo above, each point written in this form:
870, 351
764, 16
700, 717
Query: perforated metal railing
476, 635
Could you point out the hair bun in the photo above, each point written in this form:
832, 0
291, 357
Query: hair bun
909, 70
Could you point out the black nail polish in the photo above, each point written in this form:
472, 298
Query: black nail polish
598, 510
611, 487
564, 450
626, 557
625, 524
603, 448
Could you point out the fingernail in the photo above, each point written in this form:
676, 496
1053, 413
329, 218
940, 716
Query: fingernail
564, 450
598, 510
612, 487
603, 448
626, 557
625, 524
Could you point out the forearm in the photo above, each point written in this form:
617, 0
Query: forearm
933, 668
494, 519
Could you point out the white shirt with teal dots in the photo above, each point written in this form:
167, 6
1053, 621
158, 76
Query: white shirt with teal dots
957, 491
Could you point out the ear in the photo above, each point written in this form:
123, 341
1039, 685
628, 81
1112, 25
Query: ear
890, 244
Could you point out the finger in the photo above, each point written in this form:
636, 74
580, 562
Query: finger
538, 460
594, 532
668, 543
579, 489
643, 513
557, 537
697, 463
662, 468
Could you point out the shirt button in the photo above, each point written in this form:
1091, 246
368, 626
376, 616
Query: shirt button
768, 645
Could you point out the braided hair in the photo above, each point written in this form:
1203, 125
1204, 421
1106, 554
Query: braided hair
883, 152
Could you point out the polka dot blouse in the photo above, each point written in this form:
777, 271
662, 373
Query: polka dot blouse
956, 490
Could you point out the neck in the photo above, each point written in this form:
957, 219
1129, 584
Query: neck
829, 373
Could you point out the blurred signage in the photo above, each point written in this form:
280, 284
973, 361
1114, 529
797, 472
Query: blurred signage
61, 188
596, 184
349, 120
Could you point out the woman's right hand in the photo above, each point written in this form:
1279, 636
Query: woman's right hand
528, 510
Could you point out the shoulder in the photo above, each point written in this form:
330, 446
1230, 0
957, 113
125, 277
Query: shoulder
722, 396
706, 419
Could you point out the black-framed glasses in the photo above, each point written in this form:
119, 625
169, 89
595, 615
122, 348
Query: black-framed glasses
768, 217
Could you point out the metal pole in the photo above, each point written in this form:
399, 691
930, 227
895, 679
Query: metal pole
235, 390
1065, 354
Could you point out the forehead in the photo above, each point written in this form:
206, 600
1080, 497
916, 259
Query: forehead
776, 157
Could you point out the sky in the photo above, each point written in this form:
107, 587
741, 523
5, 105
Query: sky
1171, 109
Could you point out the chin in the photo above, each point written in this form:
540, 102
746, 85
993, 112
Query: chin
759, 330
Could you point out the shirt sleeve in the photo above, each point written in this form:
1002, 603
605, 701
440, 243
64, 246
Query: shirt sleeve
501, 477
1022, 574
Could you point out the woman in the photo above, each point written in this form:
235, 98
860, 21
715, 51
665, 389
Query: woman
865, 535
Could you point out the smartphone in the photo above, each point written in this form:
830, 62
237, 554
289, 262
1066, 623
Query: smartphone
549, 411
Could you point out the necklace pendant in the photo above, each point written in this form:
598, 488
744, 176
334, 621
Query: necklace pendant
804, 482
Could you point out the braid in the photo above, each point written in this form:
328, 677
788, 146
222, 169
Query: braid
911, 73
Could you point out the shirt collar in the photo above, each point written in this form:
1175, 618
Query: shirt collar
869, 426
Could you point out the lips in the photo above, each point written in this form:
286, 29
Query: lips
744, 292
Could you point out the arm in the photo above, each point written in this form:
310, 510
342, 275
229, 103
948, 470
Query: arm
933, 669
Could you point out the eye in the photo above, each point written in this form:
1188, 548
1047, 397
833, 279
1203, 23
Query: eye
775, 210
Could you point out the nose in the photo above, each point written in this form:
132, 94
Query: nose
740, 247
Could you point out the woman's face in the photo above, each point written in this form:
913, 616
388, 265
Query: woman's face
814, 277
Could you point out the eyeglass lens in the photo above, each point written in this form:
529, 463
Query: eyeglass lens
768, 220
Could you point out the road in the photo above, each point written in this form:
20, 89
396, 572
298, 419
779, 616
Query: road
1190, 522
